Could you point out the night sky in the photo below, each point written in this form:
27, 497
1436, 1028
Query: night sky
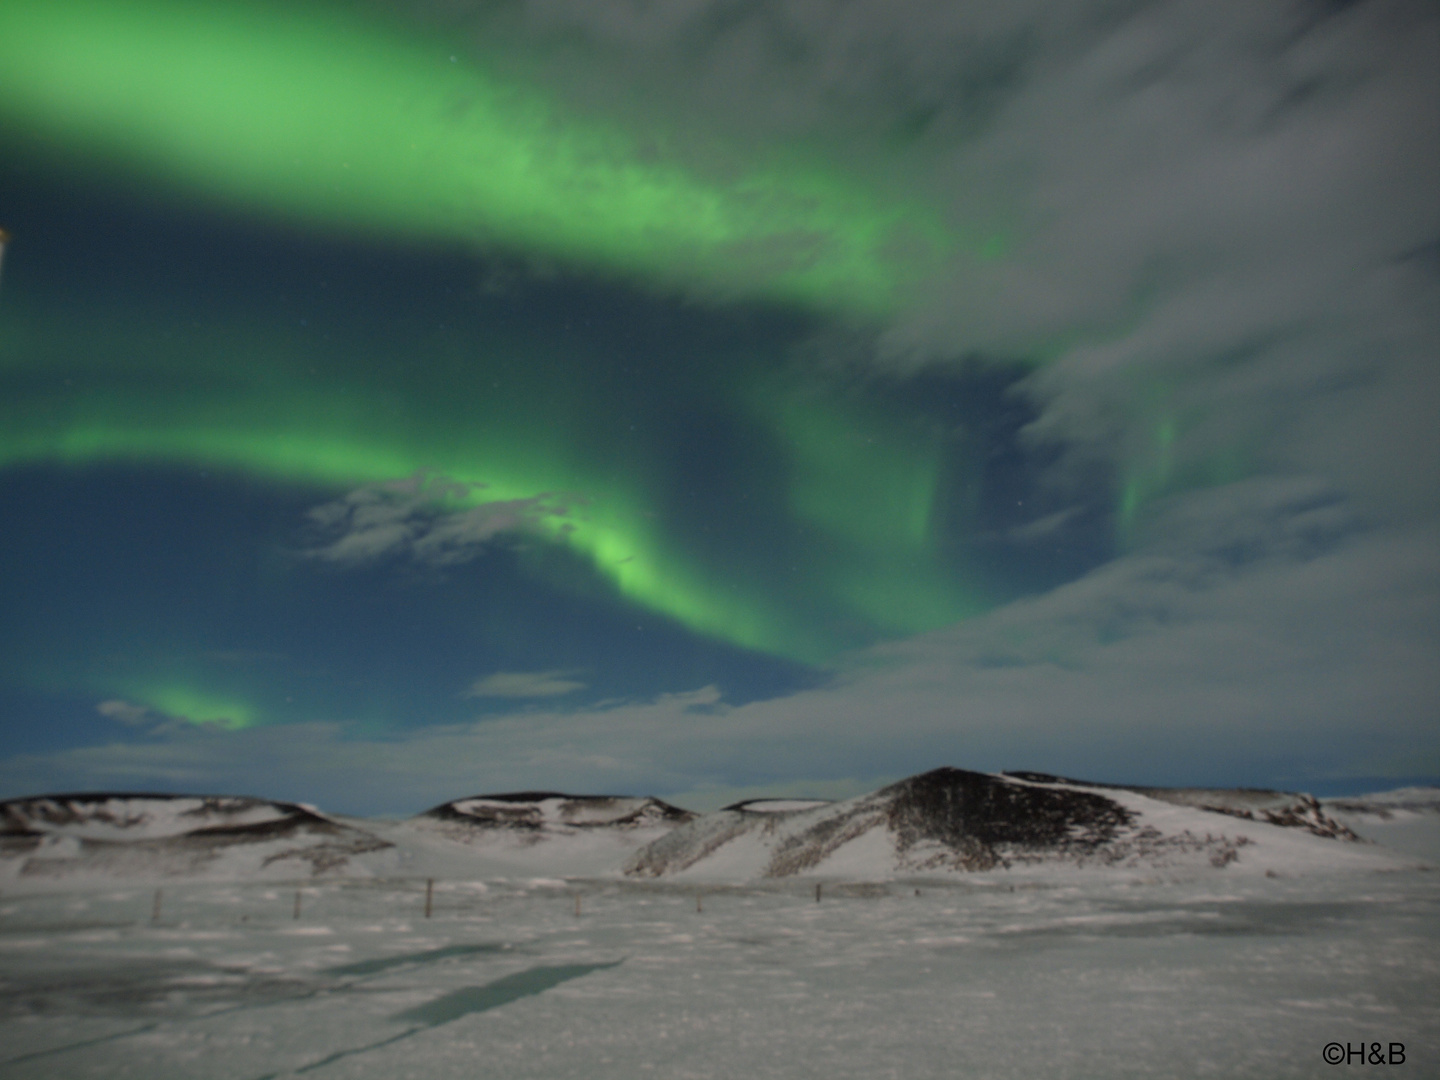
405, 400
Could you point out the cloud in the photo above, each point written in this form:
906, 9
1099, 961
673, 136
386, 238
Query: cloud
1216, 209
1043, 528
1211, 213
424, 517
160, 721
525, 684
124, 712
1221, 248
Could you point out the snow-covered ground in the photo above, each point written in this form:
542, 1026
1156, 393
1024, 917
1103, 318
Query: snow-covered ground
1405, 820
1090, 977
1057, 969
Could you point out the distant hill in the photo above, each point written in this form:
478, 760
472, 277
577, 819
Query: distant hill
537, 815
142, 835
947, 821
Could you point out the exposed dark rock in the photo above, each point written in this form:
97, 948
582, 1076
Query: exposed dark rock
962, 820
959, 808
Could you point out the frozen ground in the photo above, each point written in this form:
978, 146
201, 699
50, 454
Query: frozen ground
1068, 974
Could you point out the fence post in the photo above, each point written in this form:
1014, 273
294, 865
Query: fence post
155, 910
698, 905
817, 892
577, 905
297, 904
429, 895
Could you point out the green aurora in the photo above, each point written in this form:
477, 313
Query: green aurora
318, 115
183, 700
857, 560
313, 115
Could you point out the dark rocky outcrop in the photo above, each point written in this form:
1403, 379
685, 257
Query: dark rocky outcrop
956, 807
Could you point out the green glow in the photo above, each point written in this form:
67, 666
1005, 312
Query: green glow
249, 406
317, 114
183, 702
851, 477
854, 554
868, 487
1154, 470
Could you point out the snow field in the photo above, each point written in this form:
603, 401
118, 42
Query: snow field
992, 975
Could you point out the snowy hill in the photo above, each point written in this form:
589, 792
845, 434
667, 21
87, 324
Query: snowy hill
534, 833
130, 835
951, 820
946, 822
1287, 808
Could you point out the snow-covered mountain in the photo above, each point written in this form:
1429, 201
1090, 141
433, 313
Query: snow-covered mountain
950, 820
133, 835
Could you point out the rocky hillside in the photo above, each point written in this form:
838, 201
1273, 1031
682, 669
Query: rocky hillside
955, 820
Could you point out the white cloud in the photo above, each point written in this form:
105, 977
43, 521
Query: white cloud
525, 684
424, 517
124, 712
1211, 206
